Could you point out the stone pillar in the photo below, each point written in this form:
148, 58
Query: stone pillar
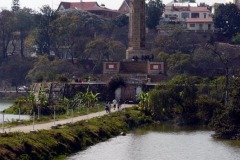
137, 31
137, 25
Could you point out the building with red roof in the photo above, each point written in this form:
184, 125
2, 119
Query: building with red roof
92, 7
195, 18
125, 7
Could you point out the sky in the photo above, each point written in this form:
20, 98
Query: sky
113, 4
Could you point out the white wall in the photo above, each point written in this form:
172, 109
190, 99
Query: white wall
198, 27
179, 14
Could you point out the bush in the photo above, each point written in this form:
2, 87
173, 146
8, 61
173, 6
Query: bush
207, 108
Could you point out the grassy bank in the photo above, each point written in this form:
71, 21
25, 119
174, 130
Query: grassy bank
49, 144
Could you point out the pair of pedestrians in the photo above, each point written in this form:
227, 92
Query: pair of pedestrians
115, 105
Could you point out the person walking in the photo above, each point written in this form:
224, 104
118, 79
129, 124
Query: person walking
107, 107
114, 104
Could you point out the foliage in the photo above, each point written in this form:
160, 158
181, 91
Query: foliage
45, 69
87, 99
154, 10
24, 25
226, 19
177, 40
204, 63
15, 5
236, 39
32, 100
102, 49
227, 121
179, 63
10, 70
7, 27
207, 108
144, 102
43, 37
121, 21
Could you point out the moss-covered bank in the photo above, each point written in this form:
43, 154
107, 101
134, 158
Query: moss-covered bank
48, 144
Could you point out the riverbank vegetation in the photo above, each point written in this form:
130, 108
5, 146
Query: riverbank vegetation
47, 144
42, 109
193, 101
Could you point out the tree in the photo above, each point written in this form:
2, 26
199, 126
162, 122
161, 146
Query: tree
32, 100
179, 63
102, 49
207, 107
15, 5
66, 32
121, 20
73, 29
7, 27
177, 40
227, 122
154, 9
144, 99
24, 25
43, 37
226, 19
228, 58
88, 99
204, 63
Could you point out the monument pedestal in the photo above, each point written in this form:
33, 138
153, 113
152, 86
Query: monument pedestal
130, 53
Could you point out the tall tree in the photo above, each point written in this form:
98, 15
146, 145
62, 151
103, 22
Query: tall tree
43, 39
24, 24
7, 27
226, 19
15, 5
154, 11
73, 29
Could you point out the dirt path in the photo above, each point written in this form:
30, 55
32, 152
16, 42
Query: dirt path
48, 125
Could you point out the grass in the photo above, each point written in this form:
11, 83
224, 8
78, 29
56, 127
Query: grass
57, 144
43, 119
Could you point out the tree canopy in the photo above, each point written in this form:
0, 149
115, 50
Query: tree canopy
226, 19
154, 10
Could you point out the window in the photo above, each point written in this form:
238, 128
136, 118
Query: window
195, 15
200, 26
205, 15
192, 25
209, 26
185, 15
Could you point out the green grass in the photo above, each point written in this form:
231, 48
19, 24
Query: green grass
43, 119
59, 143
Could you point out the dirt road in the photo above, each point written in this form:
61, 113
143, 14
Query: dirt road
49, 125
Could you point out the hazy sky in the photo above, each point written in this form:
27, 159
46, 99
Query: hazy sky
113, 4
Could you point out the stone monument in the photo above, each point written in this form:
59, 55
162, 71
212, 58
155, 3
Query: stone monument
137, 31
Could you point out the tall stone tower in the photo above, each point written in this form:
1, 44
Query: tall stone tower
137, 24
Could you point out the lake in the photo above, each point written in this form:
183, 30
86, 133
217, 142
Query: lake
163, 142
10, 117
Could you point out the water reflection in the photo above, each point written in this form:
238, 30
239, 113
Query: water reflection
163, 142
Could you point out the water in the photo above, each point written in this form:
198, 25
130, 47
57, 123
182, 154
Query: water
10, 117
163, 142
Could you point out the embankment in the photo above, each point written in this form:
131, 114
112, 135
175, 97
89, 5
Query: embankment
48, 144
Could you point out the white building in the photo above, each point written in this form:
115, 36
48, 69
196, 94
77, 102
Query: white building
180, 13
192, 16
200, 24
